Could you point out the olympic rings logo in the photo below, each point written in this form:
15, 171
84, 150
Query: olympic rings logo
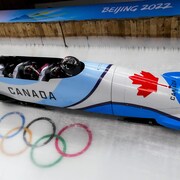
46, 139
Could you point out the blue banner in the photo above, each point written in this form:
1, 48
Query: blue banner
140, 9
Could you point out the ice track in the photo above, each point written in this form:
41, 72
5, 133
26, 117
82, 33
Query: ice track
118, 150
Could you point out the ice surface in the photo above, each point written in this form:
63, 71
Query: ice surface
119, 150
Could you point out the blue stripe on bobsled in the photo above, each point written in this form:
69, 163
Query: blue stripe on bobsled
104, 108
131, 110
74, 90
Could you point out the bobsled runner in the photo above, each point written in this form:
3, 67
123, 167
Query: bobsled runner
93, 87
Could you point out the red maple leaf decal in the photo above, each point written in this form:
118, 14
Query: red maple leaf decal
147, 81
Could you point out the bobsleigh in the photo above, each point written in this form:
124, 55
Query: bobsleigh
102, 88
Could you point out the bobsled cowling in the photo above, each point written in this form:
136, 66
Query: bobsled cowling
107, 89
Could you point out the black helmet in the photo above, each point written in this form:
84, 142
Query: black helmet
55, 72
30, 72
71, 66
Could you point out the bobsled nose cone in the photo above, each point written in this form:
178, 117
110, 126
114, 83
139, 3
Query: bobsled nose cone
173, 79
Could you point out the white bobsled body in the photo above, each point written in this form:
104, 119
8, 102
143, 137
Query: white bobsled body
107, 89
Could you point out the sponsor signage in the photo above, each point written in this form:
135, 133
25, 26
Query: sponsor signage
138, 9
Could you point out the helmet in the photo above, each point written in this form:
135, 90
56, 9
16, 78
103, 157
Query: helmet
55, 72
70, 66
30, 72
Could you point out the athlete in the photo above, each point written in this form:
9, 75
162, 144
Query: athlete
1, 70
70, 66
8, 69
15, 72
42, 72
27, 70
52, 71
